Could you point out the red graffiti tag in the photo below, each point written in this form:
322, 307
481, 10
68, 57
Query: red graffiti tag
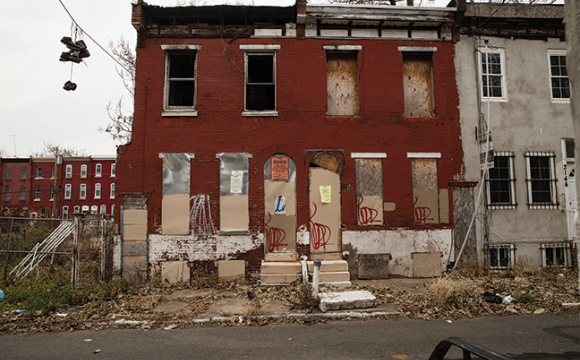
319, 233
421, 213
366, 215
274, 236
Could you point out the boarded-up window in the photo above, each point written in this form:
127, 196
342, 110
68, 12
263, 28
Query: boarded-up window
369, 191
280, 204
175, 203
425, 194
234, 215
342, 83
418, 84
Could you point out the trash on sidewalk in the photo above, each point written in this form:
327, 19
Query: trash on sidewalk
2, 295
508, 299
18, 311
492, 297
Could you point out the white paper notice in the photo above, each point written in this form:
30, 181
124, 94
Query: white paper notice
236, 181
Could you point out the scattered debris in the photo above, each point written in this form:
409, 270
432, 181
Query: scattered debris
97, 351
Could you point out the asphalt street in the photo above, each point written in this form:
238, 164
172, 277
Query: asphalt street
519, 337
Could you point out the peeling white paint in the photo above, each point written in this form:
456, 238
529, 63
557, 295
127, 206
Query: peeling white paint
400, 244
199, 248
303, 236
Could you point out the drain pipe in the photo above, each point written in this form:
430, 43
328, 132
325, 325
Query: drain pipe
316, 278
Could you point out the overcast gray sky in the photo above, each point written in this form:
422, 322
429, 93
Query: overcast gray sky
33, 105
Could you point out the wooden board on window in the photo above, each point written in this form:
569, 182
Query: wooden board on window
234, 215
369, 191
418, 85
342, 83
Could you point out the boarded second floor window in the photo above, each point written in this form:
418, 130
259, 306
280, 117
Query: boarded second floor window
418, 84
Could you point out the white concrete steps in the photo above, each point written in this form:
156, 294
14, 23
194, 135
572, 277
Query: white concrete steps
347, 300
276, 273
332, 272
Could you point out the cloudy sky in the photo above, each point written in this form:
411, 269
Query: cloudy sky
34, 107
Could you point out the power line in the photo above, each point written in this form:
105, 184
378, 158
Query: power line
99, 45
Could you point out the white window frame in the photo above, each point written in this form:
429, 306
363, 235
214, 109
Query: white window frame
113, 168
112, 191
52, 172
504, 92
512, 182
65, 212
557, 53
552, 247
552, 180
83, 171
67, 191
83, 192
179, 110
98, 170
37, 192
52, 192
265, 50
510, 248
103, 209
94, 209
69, 170
113, 210
97, 191
38, 172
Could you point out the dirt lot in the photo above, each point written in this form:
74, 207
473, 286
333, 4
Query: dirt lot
245, 303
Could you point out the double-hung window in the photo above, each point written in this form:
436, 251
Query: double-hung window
180, 80
559, 81
83, 171
501, 182
541, 180
22, 193
112, 192
98, 170
83, 193
97, 191
67, 191
23, 171
68, 172
492, 70
260, 80
8, 173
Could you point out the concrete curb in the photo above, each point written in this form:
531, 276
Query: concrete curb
294, 316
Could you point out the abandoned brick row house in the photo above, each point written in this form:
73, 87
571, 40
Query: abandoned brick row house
263, 135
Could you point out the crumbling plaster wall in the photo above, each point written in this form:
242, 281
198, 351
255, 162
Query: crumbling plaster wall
400, 244
527, 121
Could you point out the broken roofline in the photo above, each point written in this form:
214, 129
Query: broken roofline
220, 14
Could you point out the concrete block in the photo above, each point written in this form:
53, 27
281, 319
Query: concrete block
347, 300
373, 266
333, 276
268, 32
278, 279
426, 264
330, 265
281, 267
325, 256
175, 272
289, 256
231, 269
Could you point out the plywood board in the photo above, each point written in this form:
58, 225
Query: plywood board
324, 217
234, 215
135, 232
369, 190
135, 217
444, 206
134, 248
175, 214
327, 161
280, 233
342, 83
418, 85
425, 191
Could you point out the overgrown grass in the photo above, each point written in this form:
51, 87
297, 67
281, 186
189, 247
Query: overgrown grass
49, 290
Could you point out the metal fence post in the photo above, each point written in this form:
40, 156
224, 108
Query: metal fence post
75, 265
8, 250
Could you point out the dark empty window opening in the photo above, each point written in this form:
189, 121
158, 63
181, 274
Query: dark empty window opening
418, 84
500, 256
501, 183
260, 82
181, 79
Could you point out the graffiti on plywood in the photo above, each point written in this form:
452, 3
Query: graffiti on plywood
200, 220
422, 213
274, 236
319, 233
366, 215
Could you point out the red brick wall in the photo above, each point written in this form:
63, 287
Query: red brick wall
301, 125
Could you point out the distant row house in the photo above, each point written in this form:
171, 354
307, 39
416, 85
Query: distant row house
57, 187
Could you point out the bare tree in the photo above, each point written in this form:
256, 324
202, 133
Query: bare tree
3, 153
121, 124
51, 149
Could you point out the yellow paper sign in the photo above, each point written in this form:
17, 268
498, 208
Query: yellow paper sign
325, 194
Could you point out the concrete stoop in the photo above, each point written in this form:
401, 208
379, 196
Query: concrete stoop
276, 273
347, 300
